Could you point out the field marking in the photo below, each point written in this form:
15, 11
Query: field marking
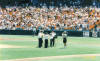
91, 56
14, 39
10, 46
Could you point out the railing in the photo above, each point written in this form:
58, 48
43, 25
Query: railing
93, 26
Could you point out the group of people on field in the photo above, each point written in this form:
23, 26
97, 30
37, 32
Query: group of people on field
45, 37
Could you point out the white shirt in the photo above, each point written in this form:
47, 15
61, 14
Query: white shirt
40, 35
53, 34
46, 36
64, 35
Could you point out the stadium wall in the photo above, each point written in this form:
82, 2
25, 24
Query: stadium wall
59, 33
30, 32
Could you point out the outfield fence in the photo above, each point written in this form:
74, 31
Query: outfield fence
59, 33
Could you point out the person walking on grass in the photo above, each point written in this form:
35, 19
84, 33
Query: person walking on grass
64, 35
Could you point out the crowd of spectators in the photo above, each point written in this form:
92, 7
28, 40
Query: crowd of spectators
28, 18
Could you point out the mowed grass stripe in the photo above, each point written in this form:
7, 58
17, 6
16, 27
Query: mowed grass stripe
76, 45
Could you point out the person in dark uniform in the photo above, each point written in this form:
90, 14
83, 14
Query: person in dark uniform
46, 36
52, 39
64, 35
40, 38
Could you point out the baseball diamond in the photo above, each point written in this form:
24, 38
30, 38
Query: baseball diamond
49, 30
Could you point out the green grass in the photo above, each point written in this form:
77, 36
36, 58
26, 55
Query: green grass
74, 59
76, 45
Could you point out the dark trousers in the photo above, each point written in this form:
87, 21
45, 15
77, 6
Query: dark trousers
52, 42
46, 43
64, 40
40, 42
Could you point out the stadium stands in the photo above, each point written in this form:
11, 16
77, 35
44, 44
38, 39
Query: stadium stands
12, 18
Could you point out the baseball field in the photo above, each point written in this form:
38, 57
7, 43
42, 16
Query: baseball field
24, 48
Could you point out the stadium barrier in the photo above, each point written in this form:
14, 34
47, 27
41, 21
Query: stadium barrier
30, 32
16, 32
96, 34
59, 33
99, 34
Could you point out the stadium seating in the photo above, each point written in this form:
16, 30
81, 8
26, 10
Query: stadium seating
70, 18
